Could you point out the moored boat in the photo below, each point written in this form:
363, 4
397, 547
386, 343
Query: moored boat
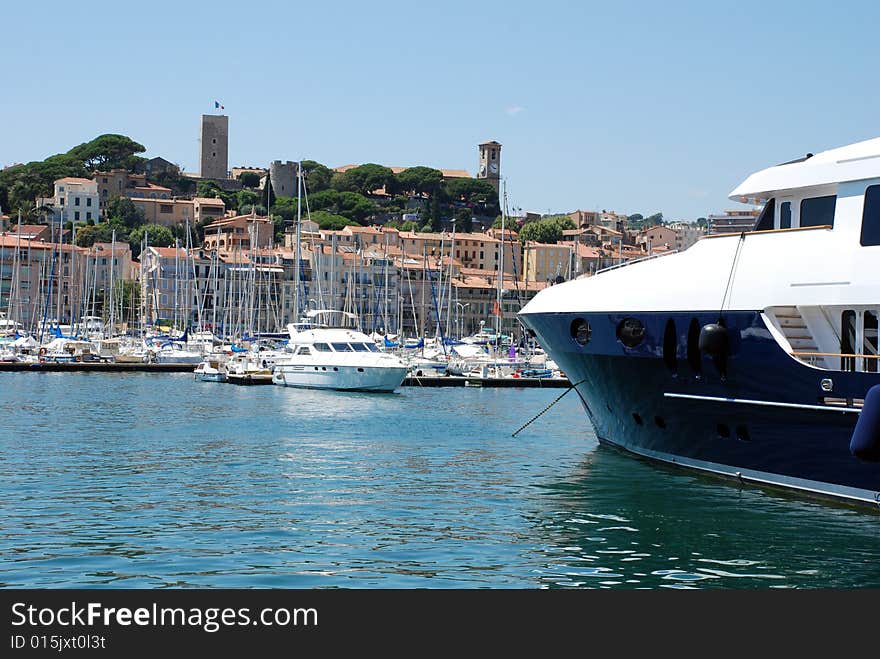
764, 366
328, 352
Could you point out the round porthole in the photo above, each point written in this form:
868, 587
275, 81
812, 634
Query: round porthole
581, 331
631, 332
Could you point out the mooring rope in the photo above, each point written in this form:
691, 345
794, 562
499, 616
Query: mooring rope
558, 398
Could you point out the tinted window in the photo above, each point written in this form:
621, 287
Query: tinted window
847, 340
870, 345
322, 347
359, 347
342, 347
372, 347
871, 216
785, 215
818, 211
765, 221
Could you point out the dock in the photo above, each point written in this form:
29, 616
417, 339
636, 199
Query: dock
462, 381
413, 381
95, 367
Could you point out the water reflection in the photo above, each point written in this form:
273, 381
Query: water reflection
674, 528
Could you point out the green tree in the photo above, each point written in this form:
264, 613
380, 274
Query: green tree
267, 196
207, 189
364, 179
354, 206
101, 233
464, 220
285, 207
108, 152
157, 236
124, 210
246, 198
330, 221
420, 180
249, 179
317, 176
323, 199
545, 231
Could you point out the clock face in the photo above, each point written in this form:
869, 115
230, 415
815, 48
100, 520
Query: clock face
493, 167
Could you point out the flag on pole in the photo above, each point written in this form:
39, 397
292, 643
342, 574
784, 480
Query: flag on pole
496, 308
217, 105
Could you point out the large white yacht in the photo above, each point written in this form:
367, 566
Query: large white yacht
328, 352
751, 355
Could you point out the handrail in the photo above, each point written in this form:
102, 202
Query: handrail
831, 354
753, 233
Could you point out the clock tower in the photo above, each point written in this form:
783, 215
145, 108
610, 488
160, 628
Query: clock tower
490, 163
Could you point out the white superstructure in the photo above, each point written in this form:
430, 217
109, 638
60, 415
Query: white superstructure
812, 256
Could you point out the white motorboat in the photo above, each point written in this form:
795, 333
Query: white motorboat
328, 352
210, 370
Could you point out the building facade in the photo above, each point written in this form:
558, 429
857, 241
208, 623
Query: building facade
74, 200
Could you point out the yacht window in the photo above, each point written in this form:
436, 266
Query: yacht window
304, 350
818, 211
372, 347
870, 341
785, 215
359, 347
847, 340
871, 216
766, 219
342, 347
321, 347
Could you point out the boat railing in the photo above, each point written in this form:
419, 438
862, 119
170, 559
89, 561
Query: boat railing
638, 260
847, 360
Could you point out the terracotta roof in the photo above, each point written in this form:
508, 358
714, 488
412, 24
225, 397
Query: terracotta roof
151, 187
8, 239
166, 252
213, 201
229, 220
73, 179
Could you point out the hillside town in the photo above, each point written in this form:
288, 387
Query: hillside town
150, 245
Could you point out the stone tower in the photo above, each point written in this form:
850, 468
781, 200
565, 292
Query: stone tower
283, 178
490, 163
214, 157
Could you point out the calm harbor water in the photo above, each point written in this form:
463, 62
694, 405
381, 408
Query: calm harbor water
154, 480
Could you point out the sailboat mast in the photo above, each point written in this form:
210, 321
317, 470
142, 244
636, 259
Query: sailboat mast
501, 264
296, 248
449, 280
112, 260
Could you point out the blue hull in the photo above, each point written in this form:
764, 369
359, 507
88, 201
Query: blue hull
766, 419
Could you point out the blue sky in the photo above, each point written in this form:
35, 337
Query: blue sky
632, 107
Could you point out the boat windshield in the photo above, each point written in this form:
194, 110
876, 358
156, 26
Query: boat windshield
342, 347
359, 347
321, 347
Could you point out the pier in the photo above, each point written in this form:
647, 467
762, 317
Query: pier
411, 381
